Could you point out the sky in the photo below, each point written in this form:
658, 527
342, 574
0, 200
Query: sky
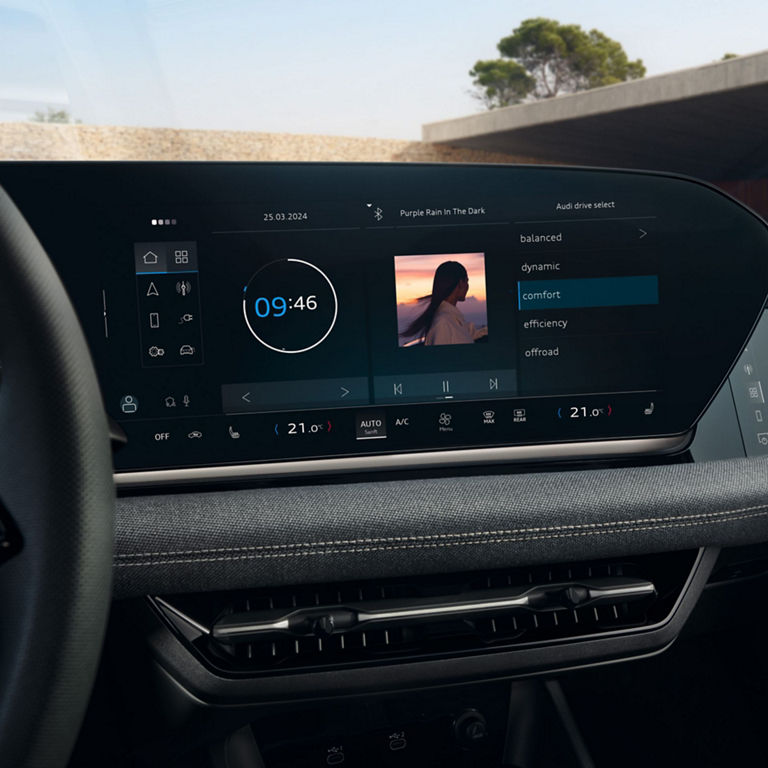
337, 67
414, 274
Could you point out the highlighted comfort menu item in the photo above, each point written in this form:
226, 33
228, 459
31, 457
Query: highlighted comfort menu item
588, 292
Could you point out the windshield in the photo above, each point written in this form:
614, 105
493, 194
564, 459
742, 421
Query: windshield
544, 82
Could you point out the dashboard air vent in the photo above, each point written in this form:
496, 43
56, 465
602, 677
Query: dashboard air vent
348, 624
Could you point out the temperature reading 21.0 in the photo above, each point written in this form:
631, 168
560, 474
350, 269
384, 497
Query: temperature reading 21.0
298, 428
584, 412
290, 306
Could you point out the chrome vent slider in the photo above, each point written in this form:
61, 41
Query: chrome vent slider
323, 621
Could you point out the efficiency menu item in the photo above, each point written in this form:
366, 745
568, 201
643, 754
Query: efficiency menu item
312, 311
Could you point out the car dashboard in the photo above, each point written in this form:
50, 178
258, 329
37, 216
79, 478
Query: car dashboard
390, 441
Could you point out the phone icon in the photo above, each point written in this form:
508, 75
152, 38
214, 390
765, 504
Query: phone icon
234, 434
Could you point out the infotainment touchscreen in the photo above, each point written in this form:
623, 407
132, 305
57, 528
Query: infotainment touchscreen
255, 314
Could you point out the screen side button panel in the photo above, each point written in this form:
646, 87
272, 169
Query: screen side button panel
749, 382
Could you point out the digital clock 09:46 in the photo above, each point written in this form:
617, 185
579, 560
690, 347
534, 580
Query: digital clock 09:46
279, 305
290, 306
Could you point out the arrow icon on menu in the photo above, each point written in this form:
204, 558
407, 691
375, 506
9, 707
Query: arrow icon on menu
247, 397
344, 392
642, 232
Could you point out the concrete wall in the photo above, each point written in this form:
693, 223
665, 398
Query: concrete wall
707, 121
716, 77
40, 141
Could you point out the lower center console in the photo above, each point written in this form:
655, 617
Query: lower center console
495, 724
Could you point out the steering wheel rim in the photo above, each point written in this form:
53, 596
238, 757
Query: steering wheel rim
56, 484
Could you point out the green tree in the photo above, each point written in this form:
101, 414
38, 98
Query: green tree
501, 83
727, 56
564, 58
51, 115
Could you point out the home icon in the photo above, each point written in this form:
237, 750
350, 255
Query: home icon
150, 257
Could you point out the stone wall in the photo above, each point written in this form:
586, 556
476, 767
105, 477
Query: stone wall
42, 141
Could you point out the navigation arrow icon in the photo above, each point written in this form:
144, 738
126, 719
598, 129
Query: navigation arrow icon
247, 397
642, 232
344, 392
152, 290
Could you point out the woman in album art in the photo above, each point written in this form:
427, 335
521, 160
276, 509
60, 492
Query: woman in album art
442, 321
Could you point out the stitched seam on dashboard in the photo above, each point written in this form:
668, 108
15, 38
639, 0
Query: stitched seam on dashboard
434, 545
514, 532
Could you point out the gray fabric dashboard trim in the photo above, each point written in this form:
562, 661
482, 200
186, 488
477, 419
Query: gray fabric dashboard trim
231, 539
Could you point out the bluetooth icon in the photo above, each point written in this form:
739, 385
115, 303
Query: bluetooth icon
378, 214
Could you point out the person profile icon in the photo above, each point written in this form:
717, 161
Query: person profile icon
129, 404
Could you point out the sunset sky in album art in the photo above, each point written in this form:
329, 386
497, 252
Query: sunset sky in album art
414, 274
